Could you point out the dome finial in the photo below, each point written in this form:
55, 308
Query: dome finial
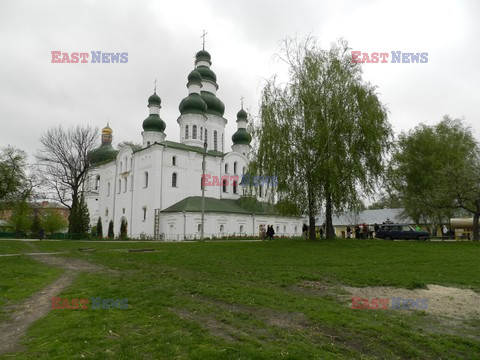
241, 100
155, 86
203, 37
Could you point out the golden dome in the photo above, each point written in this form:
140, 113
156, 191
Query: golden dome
107, 130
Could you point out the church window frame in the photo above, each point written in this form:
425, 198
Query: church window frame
174, 180
145, 179
194, 132
215, 145
226, 168
224, 185
206, 137
235, 168
235, 187
174, 161
186, 131
144, 214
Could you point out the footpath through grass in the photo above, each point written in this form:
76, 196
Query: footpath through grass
247, 301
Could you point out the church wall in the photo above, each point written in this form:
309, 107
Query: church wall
146, 187
176, 226
106, 194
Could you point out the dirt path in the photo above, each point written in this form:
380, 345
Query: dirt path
39, 304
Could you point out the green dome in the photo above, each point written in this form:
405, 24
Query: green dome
192, 104
203, 55
194, 77
105, 153
154, 123
207, 73
241, 136
214, 105
154, 100
242, 115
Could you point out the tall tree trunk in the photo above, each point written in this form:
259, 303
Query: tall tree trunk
311, 210
476, 216
73, 221
328, 216
311, 227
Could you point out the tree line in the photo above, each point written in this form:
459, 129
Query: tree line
325, 133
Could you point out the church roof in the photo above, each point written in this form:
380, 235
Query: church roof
244, 205
198, 149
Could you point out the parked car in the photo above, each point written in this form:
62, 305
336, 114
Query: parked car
400, 231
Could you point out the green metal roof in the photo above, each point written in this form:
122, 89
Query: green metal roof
244, 205
197, 149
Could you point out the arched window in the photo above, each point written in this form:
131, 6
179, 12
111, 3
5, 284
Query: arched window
201, 133
296, 229
226, 168
199, 227
119, 185
108, 189
234, 187
146, 179
174, 161
284, 229
121, 167
144, 211
224, 185
125, 185
221, 228
206, 135
278, 228
222, 143
194, 131
235, 167
186, 131
106, 212
215, 140
241, 229
174, 180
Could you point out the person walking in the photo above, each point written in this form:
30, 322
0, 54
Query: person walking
349, 232
263, 233
357, 231
305, 231
41, 234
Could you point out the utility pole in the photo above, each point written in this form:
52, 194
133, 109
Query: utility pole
203, 189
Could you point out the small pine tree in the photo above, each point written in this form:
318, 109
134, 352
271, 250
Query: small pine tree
36, 224
99, 227
84, 215
123, 229
110, 229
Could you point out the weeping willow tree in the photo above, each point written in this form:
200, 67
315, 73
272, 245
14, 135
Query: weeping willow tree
324, 132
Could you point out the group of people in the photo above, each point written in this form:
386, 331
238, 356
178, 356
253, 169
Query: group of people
363, 231
267, 233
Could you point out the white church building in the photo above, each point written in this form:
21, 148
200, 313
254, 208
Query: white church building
156, 190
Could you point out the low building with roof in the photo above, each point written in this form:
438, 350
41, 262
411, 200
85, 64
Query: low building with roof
369, 217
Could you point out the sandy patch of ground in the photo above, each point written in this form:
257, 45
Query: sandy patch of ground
442, 301
39, 304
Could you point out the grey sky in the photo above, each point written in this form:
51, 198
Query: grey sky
162, 37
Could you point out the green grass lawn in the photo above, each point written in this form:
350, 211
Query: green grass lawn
20, 277
233, 300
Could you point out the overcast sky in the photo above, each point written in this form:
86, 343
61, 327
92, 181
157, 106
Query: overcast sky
161, 38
